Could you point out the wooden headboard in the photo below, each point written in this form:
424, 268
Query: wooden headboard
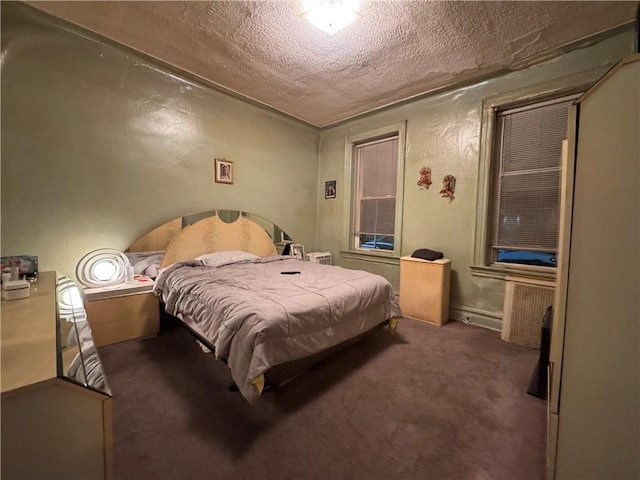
195, 234
158, 238
213, 235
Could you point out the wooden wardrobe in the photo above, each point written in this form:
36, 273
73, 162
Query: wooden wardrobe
594, 402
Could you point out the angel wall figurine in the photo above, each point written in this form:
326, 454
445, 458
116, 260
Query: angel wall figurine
448, 187
425, 178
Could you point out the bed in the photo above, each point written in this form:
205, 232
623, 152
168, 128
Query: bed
266, 315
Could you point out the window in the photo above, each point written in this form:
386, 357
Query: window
375, 208
375, 166
526, 176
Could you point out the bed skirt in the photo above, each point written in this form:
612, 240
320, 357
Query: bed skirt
280, 374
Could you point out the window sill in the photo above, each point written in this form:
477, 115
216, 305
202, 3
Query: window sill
501, 272
384, 258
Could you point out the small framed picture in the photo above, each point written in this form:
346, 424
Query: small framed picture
27, 266
297, 251
223, 171
330, 189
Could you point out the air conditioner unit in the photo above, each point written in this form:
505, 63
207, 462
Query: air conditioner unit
525, 303
319, 257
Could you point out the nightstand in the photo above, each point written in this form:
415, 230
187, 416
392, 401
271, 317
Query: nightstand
424, 289
122, 312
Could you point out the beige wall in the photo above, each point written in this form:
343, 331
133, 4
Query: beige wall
99, 146
443, 132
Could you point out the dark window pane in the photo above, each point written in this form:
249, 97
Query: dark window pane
529, 211
533, 138
379, 242
378, 215
379, 168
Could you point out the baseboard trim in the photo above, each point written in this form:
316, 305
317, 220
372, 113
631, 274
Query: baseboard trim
482, 318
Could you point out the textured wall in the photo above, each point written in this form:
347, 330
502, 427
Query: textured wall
99, 146
443, 132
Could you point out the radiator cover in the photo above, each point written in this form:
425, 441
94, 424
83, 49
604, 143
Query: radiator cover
525, 303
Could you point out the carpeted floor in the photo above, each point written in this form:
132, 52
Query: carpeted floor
425, 403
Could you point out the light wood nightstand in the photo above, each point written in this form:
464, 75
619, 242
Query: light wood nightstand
122, 312
424, 289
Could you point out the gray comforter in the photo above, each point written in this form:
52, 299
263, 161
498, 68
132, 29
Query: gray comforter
257, 317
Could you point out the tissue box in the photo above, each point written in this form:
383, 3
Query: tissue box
15, 289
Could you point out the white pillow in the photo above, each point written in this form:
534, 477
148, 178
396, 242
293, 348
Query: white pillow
218, 259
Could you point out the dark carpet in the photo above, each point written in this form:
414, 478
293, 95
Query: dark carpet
424, 403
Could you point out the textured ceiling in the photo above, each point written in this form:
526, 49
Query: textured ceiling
396, 50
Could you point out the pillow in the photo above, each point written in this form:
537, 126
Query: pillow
217, 259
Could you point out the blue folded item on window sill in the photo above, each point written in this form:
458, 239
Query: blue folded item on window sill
426, 254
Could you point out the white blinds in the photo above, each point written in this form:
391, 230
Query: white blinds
377, 216
376, 190
528, 160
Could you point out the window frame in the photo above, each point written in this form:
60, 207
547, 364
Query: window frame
348, 244
483, 264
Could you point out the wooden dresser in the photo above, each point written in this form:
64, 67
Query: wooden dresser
56, 403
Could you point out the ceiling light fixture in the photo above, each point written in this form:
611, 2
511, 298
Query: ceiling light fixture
330, 15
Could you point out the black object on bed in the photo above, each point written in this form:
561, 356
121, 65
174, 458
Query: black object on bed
426, 254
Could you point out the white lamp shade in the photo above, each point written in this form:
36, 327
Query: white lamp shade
70, 302
102, 268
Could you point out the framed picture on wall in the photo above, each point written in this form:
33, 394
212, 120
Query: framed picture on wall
27, 266
223, 171
297, 251
330, 189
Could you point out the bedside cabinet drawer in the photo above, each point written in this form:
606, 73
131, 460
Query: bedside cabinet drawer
117, 319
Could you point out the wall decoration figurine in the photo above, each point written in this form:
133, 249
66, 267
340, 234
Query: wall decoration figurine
448, 187
425, 178
223, 171
330, 189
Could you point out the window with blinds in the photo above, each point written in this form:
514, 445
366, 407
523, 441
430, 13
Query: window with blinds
526, 182
376, 167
